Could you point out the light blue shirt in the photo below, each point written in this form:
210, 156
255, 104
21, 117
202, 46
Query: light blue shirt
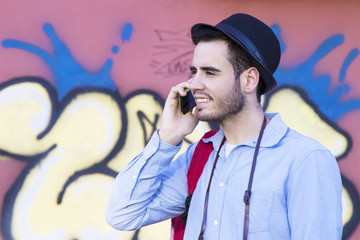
296, 192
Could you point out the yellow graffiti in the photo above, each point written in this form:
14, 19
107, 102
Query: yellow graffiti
146, 105
300, 116
83, 134
348, 207
25, 111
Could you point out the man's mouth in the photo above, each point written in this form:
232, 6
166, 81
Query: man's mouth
202, 100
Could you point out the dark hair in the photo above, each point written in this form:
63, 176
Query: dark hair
238, 58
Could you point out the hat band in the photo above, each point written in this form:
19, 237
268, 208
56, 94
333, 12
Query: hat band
243, 41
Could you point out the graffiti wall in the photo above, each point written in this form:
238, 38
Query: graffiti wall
83, 83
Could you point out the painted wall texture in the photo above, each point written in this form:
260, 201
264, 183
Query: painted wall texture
82, 86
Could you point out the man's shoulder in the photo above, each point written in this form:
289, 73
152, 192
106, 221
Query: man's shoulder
291, 137
303, 142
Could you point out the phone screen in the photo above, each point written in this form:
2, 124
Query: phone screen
186, 103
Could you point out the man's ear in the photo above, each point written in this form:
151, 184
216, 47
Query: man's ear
251, 78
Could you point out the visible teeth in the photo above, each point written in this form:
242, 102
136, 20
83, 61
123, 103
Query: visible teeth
202, 100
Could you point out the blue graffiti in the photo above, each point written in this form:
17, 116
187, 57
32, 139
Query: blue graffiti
68, 73
318, 88
350, 58
115, 49
125, 36
126, 32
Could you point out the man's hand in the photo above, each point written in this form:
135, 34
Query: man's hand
174, 126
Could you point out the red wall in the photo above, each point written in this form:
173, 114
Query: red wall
66, 127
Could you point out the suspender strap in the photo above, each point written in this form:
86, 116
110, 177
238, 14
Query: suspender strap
248, 191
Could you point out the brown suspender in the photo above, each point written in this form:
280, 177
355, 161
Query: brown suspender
248, 191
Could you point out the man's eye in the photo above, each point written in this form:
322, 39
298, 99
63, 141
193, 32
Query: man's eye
210, 73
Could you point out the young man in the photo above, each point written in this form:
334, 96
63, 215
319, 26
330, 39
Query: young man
293, 181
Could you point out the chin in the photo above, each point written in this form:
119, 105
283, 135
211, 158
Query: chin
208, 117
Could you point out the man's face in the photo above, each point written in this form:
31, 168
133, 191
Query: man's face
217, 94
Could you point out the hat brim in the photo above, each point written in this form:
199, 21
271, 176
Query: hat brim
269, 82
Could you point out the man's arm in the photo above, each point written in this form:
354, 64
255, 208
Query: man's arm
151, 188
314, 198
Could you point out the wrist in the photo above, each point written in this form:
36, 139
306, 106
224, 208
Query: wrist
169, 137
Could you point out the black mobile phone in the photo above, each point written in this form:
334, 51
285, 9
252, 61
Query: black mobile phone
186, 103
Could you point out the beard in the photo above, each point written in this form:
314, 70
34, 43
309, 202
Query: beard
225, 107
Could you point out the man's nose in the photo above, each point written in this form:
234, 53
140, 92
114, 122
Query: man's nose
196, 82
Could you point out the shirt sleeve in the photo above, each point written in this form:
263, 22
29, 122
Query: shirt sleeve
314, 198
151, 188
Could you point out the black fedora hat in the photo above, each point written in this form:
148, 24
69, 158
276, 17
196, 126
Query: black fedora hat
256, 38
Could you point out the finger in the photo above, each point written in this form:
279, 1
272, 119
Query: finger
181, 88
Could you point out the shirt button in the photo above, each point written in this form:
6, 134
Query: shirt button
134, 177
221, 184
216, 223
154, 149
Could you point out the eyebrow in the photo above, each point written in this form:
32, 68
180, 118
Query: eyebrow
206, 68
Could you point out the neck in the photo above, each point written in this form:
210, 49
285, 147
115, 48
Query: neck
244, 126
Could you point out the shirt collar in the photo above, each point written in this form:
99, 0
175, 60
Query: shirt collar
274, 132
